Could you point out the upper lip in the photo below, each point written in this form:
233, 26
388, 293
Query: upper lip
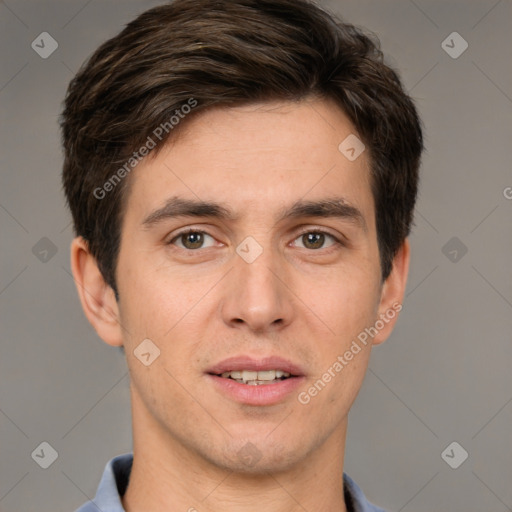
245, 362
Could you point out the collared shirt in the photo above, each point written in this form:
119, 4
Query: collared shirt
115, 478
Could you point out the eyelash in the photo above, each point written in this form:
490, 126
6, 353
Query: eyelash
336, 245
337, 242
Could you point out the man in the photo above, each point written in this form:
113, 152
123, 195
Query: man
242, 176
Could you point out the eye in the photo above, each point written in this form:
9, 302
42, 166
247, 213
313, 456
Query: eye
316, 240
191, 240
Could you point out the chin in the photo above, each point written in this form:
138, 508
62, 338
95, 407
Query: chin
258, 457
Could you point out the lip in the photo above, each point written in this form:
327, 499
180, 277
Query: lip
244, 362
264, 394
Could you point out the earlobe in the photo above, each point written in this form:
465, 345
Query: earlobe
96, 296
392, 294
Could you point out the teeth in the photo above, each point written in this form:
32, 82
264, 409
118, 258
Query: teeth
267, 375
249, 375
256, 382
233, 375
252, 377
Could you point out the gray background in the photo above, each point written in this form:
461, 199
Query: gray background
443, 376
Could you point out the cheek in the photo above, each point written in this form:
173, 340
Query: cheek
347, 303
156, 298
346, 300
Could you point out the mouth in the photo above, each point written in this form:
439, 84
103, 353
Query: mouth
251, 381
256, 378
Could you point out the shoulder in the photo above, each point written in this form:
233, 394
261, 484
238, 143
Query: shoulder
112, 486
355, 499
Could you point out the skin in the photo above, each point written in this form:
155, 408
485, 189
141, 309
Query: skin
298, 300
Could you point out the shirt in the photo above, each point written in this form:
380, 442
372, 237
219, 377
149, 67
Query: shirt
115, 478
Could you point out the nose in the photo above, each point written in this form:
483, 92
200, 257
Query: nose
258, 297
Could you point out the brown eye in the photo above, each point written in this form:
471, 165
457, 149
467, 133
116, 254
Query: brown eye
192, 240
315, 240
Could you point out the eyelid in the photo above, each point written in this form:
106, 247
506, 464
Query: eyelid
338, 240
314, 229
175, 236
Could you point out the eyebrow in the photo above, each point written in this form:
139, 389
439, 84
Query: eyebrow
179, 207
336, 207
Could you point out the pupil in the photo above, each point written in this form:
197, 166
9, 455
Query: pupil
314, 240
193, 240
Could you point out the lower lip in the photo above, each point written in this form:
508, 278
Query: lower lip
263, 394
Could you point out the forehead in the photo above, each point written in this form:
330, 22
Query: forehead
256, 158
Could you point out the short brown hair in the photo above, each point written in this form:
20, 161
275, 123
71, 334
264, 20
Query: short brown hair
227, 53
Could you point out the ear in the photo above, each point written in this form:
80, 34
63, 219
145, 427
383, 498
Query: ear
392, 294
97, 297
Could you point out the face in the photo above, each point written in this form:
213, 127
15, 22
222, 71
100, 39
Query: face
249, 245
